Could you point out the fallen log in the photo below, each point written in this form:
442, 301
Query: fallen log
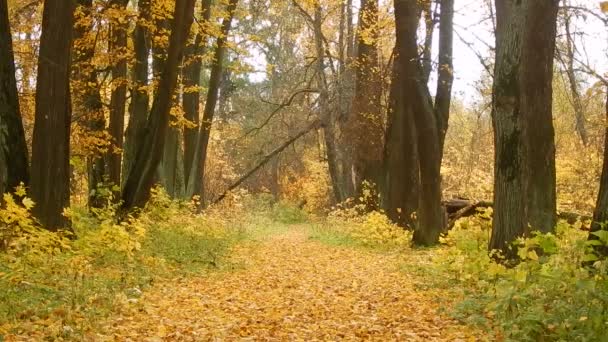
460, 208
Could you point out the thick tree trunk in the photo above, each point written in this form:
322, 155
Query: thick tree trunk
118, 53
431, 220
402, 180
87, 99
50, 183
14, 168
197, 174
141, 179
192, 93
524, 190
366, 126
140, 99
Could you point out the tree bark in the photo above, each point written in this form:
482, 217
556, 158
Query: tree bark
192, 92
445, 79
431, 220
524, 190
197, 174
402, 180
50, 183
14, 168
137, 188
118, 51
140, 99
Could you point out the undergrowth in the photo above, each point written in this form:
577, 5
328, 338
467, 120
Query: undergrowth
62, 285
548, 296
352, 225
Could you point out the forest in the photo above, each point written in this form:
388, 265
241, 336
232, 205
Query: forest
303, 170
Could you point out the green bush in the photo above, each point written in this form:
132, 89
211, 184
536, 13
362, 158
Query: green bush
61, 288
288, 213
548, 296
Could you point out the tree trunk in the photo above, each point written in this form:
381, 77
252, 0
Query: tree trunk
524, 190
577, 103
141, 179
445, 79
50, 183
192, 92
402, 180
140, 99
14, 168
325, 114
87, 99
118, 58
427, 52
197, 174
431, 220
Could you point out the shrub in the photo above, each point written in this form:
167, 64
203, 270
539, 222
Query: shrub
548, 296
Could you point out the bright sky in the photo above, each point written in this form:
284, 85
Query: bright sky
471, 24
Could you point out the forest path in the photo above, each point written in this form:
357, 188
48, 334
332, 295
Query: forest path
291, 288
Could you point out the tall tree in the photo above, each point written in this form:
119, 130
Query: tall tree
118, 58
14, 167
50, 184
137, 188
140, 98
366, 127
191, 97
197, 173
87, 97
445, 79
416, 94
524, 190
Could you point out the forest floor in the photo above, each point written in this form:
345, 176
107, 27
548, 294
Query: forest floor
288, 286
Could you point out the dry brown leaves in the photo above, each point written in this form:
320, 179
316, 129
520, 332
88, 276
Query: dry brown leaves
290, 290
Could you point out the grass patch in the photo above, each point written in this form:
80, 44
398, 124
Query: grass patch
53, 288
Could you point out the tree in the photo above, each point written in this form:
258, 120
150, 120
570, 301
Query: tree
118, 58
401, 164
600, 214
50, 183
366, 127
141, 178
87, 98
197, 173
191, 97
14, 168
140, 98
524, 190
416, 94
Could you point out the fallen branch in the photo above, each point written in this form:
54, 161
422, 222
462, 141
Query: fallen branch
316, 124
461, 208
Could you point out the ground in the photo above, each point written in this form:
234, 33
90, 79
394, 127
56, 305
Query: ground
289, 287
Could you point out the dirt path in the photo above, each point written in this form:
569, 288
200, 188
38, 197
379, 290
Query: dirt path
291, 289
